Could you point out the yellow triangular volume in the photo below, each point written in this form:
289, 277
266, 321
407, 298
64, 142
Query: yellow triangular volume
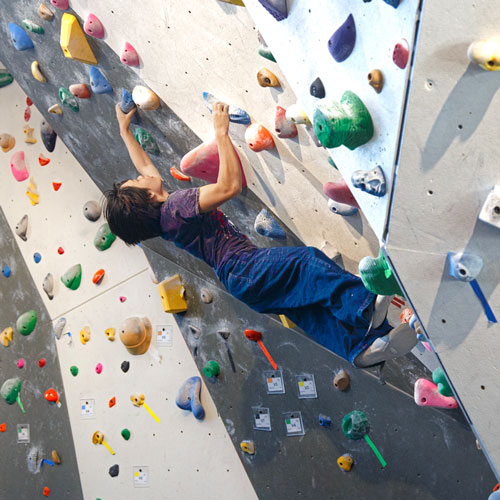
73, 40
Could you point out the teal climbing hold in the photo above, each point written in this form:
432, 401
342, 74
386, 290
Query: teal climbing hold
68, 99
266, 225
265, 51
5, 78
441, 381
332, 163
378, 277
26, 323
147, 141
33, 27
127, 104
355, 425
104, 237
19, 37
98, 82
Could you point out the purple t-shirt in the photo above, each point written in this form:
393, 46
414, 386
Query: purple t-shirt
210, 236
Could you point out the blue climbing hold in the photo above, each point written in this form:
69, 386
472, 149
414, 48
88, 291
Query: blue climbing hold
464, 266
342, 208
188, 397
19, 37
127, 104
236, 115
267, 226
421, 337
324, 420
412, 321
6, 271
341, 43
37, 257
98, 82
393, 3
277, 8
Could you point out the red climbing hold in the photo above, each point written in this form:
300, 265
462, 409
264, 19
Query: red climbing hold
112, 402
43, 160
41, 362
283, 127
46, 491
253, 335
129, 55
406, 315
60, 250
56, 185
98, 276
29, 102
340, 192
27, 114
401, 54
51, 396
3, 427
177, 174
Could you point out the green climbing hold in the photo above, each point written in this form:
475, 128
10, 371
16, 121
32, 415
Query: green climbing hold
440, 380
25, 324
332, 163
266, 52
378, 277
211, 369
346, 123
74, 370
5, 78
72, 277
10, 390
33, 27
68, 99
125, 434
355, 425
104, 237
147, 141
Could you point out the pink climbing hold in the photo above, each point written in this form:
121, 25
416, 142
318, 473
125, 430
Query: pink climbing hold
27, 114
20, 363
258, 137
203, 163
401, 54
123, 299
93, 27
60, 4
427, 394
340, 192
18, 166
283, 127
98, 368
129, 55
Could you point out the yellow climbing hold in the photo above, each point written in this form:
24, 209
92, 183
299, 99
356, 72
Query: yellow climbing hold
28, 135
485, 53
287, 323
56, 109
248, 447
85, 335
37, 73
6, 336
172, 295
32, 192
110, 333
73, 41
345, 462
235, 2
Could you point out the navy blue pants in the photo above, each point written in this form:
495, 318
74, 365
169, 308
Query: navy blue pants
331, 305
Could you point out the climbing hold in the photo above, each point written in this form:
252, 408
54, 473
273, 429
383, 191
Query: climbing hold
98, 438
92, 210
74, 370
285, 129
125, 434
28, 135
427, 394
48, 286
129, 55
490, 212
127, 104
55, 457
340, 192
26, 323
177, 174
211, 369
277, 8
267, 78
258, 138
125, 366
266, 225
376, 80
33, 27
98, 82
60, 250
195, 331
370, 181
342, 380
73, 41
393, 3
296, 114
345, 462
85, 335
37, 257
20, 363
7, 142
378, 277
464, 266
59, 328
27, 114
32, 192
342, 208
440, 379
3, 427
45, 13
104, 238
37, 72
55, 109
18, 166
68, 99
406, 315
252, 335
60, 4
114, 470
5, 78
6, 270
135, 334
485, 53
202, 162
41, 362
29, 102
341, 43
80, 90
189, 397
324, 420
93, 26
110, 334
122, 299
72, 277
287, 322
248, 447
98, 277
10, 390
6, 336
348, 122
46, 491
145, 98
98, 368
317, 89
206, 295
401, 54
172, 295
355, 425
147, 141
236, 115
265, 51
48, 136
235, 2
19, 37
138, 400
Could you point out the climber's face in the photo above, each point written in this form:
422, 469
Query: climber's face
152, 184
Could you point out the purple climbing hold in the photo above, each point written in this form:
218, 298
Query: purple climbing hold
188, 397
277, 8
127, 104
98, 82
342, 42
48, 136
19, 37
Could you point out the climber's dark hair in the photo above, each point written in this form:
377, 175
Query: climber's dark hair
131, 214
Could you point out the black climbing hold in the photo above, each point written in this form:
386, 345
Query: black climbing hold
114, 470
125, 366
48, 136
393, 3
317, 89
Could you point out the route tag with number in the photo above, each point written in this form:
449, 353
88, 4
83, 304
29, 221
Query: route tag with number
261, 418
294, 425
307, 386
274, 380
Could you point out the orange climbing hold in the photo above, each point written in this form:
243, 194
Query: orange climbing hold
267, 78
3, 427
46, 491
80, 90
56, 185
406, 315
98, 276
177, 174
112, 402
43, 160
258, 137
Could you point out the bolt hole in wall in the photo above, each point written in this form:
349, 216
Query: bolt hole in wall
483, 388
443, 321
430, 192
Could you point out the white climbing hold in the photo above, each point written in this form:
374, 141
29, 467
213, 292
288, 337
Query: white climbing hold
56, 109
145, 98
48, 286
296, 114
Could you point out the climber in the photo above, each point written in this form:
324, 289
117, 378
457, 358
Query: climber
331, 305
